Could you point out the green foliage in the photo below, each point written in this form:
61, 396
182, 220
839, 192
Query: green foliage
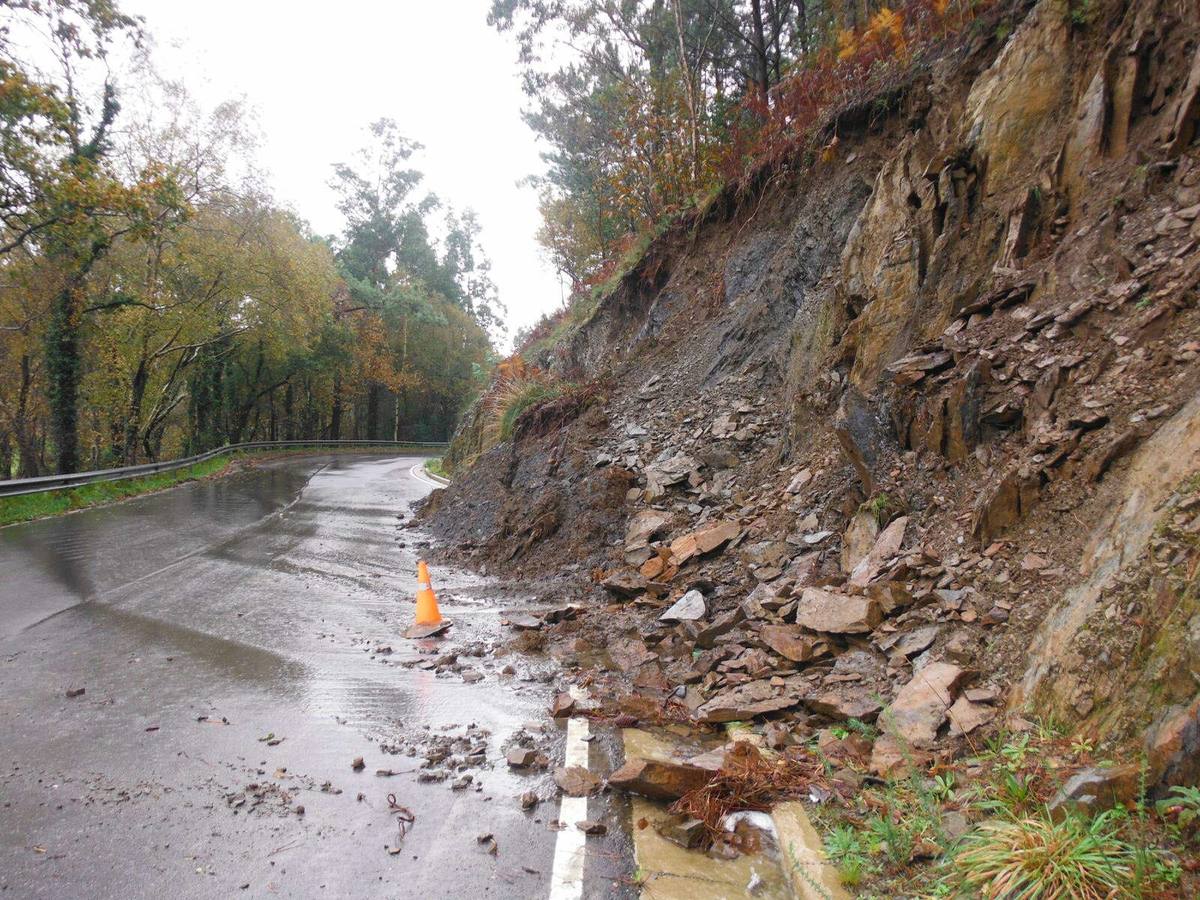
649, 108
518, 396
846, 849
157, 301
1016, 751
1081, 12
1035, 856
881, 838
943, 787
1183, 802
637, 121
883, 506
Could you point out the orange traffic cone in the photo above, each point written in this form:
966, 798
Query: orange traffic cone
427, 608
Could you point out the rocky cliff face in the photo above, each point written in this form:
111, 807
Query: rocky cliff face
918, 415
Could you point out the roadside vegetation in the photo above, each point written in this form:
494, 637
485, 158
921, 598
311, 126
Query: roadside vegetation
24, 507
655, 111
515, 397
984, 826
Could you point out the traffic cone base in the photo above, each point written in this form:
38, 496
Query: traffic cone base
416, 632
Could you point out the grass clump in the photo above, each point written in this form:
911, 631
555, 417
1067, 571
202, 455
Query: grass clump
24, 507
532, 403
521, 396
1035, 856
434, 467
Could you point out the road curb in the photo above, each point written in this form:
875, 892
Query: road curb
812, 875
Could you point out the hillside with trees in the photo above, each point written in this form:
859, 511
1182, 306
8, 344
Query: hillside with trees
647, 110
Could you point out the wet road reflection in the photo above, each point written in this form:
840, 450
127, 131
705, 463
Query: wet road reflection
50, 565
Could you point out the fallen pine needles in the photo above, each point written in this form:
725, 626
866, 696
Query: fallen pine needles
747, 780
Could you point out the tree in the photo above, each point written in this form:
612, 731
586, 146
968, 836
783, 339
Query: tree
64, 196
637, 108
155, 300
398, 282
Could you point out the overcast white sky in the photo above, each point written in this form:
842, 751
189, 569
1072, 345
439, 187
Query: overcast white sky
317, 75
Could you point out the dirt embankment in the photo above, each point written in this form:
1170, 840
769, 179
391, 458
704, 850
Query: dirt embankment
915, 415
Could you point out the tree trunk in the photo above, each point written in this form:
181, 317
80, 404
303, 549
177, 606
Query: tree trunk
27, 465
6, 456
373, 392
335, 420
758, 42
689, 84
62, 373
137, 391
289, 426
63, 363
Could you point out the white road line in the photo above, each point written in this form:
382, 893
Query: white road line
570, 849
566, 879
418, 472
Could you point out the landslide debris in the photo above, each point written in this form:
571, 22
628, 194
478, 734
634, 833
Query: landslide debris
878, 422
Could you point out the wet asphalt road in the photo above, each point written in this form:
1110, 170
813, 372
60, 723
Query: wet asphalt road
206, 618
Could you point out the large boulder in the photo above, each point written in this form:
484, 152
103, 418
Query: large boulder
846, 701
886, 546
657, 779
576, 781
858, 538
748, 700
912, 721
865, 434
688, 608
643, 527
706, 540
834, 613
793, 642
664, 473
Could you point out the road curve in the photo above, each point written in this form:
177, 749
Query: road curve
230, 637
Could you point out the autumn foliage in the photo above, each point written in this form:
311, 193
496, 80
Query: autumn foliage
859, 65
156, 301
705, 96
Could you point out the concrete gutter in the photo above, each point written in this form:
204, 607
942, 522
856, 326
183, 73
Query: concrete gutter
813, 877
670, 872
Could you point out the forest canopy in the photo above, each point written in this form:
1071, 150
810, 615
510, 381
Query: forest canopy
156, 301
647, 108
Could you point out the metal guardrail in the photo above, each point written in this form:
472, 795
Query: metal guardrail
15, 486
